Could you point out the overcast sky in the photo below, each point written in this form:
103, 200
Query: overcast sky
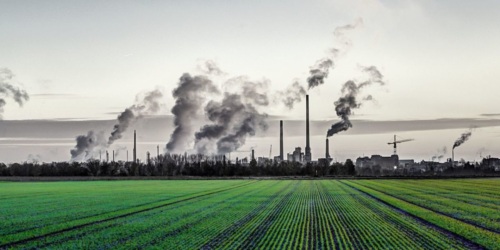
88, 59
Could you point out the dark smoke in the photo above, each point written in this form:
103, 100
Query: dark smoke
86, 145
189, 95
8, 90
148, 105
463, 138
319, 72
232, 121
345, 104
292, 94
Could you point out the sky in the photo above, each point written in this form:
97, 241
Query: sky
87, 60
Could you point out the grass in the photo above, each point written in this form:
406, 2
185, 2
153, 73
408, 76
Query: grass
236, 214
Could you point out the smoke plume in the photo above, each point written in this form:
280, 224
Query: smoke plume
440, 154
320, 70
189, 94
292, 94
147, 105
463, 138
8, 90
350, 91
87, 145
234, 118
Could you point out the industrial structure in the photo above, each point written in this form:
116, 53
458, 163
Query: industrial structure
134, 153
307, 154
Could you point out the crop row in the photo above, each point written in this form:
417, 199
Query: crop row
86, 221
443, 202
70, 201
459, 228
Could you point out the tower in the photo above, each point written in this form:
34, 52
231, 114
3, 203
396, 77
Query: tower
327, 154
134, 153
307, 155
281, 141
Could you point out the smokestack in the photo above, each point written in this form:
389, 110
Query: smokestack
158, 152
135, 148
327, 154
307, 156
127, 155
453, 158
281, 141
107, 156
113, 156
148, 156
253, 154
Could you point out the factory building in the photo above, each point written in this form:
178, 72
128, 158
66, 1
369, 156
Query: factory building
296, 156
387, 163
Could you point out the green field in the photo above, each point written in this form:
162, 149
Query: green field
242, 214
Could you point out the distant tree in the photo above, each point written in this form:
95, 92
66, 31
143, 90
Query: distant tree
350, 168
4, 171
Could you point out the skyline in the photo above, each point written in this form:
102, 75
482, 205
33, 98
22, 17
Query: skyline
91, 59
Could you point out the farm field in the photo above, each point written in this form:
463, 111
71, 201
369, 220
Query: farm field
246, 214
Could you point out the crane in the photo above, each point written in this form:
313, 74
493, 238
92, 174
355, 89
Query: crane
396, 142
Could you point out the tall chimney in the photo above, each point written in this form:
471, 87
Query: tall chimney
107, 156
135, 148
327, 154
253, 154
307, 156
148, 157
453, 157
281, 141
113, 156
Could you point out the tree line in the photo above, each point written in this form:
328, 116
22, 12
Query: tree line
175, 165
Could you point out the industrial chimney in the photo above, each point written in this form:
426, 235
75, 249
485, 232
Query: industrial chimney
253, 154
307, 155
453, 157
281, 141
327, 153
134, 153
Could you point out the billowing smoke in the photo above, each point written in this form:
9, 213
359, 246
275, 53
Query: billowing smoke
440, 154
86, 145
350, 91
234, 118
147, 105
463, 138
8, 90
320, 70
292, 94
189, 94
